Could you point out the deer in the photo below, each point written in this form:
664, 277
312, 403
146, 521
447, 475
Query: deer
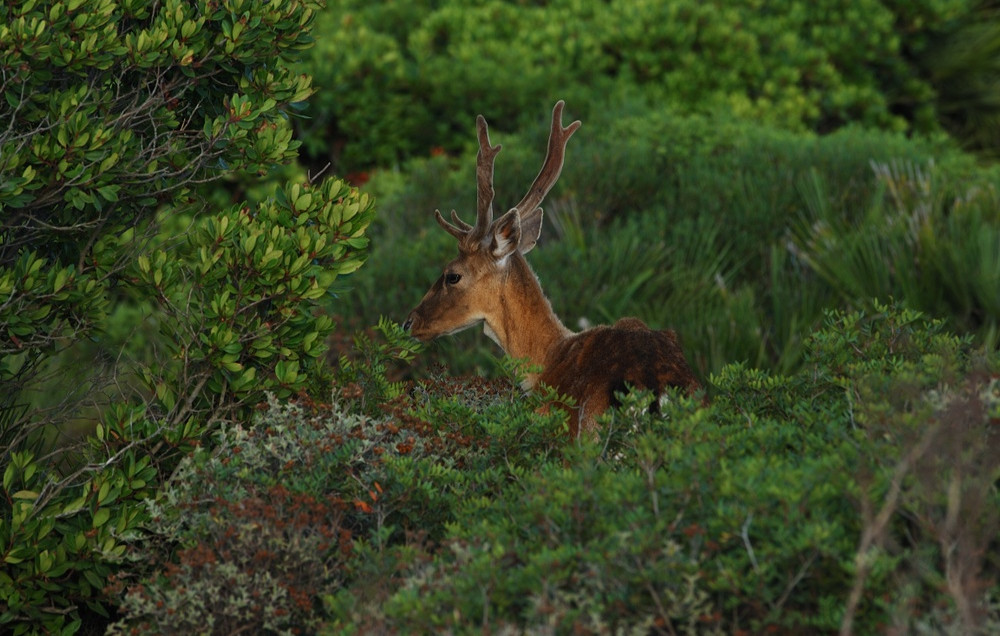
491, 283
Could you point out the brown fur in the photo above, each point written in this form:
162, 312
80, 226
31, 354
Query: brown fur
492, 284
592, 366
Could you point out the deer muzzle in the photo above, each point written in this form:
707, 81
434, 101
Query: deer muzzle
415, 326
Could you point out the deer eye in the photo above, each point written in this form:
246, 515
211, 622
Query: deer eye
452, 278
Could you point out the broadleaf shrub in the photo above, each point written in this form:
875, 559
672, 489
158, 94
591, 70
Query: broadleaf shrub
404, 79
121, 116
237, 310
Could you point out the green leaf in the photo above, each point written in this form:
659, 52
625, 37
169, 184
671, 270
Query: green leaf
60, 281
101, 517
95, 581
72, 627
8, 477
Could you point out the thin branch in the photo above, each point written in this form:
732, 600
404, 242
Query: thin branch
795, 581
874, 527
745, 535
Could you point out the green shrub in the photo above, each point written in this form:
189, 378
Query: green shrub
397, 91
404, 79
251, 532
570, 548
857, 494
235, 304
119, 115
927, 489
63, 537
653, 539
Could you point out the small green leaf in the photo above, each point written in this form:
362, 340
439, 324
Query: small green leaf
93, 579
8, 477
101, 517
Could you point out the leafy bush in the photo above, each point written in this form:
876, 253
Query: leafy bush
404, 79
252, 330
120, 113
814, 502
250, 533
927, 490
858, 494
62, 538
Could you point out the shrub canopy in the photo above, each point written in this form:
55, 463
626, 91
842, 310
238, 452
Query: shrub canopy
118, 120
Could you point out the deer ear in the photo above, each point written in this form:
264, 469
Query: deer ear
505, 234
531, 229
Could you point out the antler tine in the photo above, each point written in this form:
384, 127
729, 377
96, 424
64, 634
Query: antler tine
484, 180
460, 230
462, 225
553, 165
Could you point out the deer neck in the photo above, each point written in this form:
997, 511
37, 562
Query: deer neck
523, 323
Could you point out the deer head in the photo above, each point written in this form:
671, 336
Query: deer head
472, 287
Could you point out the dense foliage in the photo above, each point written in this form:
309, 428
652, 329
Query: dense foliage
403, 78
181, 451
858, 493
116, 116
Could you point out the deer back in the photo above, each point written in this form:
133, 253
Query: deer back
594, 365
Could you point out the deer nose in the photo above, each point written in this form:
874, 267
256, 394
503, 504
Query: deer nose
408, 324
